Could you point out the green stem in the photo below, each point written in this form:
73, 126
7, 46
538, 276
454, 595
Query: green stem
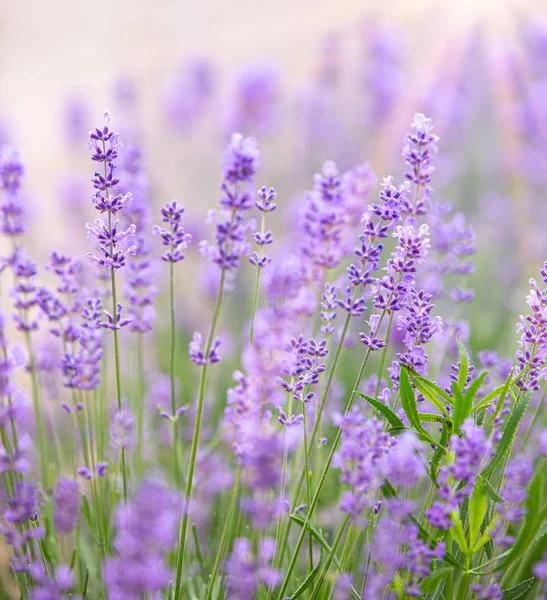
228, 523
195, 440
257, 282
322, 479
176, 469
330, 558
40, 426
140, 407
316, 429
117, 360
384, 356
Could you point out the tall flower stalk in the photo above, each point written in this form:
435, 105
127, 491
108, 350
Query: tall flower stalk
177, 240
104, 144
241, 161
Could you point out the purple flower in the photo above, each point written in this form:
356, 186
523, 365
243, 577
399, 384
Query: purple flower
16, 527
254, 106
246, 573
104, 145
11, 210
66, 505
532, 355
362, 459
325, 219
81, 368
471, 452
139, 288
517, 476
418, 149
175, 237
144, 535
24, 292
383, 75
188, 95
121, 429
196, 353
241, 160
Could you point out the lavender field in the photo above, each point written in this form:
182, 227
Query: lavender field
273, 325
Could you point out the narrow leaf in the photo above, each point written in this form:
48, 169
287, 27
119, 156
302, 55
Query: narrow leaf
429, 384
530, 526
429, 584
306, 583
475, 387
477, 511
462, 407
199, 555
384, 410
430, 393
305, 522
519, 590
439, 453
489, 489
408, 401
431, 418
508, 436
490, 397
464, 365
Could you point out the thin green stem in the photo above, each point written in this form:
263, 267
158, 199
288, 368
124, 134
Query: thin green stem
330, 558
40, 426
257, 281
140, 407
117, 353
195, 439
228, 523
316, 428
322, 478
383, 360
176, 469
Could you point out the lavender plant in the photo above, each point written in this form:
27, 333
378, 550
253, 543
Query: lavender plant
363, 451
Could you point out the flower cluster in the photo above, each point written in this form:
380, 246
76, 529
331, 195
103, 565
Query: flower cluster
175, 237
241, 161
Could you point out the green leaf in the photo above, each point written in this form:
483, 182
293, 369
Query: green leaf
508, 436
477, 511
418, 379
305, 522
541, 531
457, 532
388, 491
408, 402
464, 364
506, 390
519, 590
199, 555
306, 583
431, 418
422, 435
439, 453
87, 511
490, 491
462, 407
73, 558
530, 526
423, 534
429, 584
385, 411
424, 386
475, 387
491, 396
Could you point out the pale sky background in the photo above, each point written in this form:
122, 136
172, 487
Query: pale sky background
54, 47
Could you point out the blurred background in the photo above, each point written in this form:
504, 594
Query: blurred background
312, 80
